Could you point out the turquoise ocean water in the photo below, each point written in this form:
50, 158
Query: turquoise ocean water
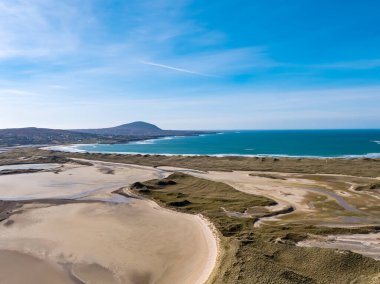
313, 143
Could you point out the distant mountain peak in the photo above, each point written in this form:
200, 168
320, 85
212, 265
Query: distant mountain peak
137, 128
139, 125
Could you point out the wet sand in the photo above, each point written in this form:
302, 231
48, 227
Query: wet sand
129, 241
365, 244
73, 181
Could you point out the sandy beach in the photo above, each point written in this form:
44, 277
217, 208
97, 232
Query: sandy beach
99, 238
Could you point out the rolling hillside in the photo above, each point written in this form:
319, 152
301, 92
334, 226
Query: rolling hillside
137, 128
120, 134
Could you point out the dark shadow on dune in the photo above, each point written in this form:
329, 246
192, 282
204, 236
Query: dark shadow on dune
141, 278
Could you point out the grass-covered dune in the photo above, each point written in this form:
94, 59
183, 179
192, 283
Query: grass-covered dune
259, 255
364, 167
357, 167
212, 199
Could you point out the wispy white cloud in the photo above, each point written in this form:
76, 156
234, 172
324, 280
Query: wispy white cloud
177, 69
38, 28
57, 32
16, 92
229, 61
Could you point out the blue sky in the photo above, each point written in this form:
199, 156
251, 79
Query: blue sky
186, 64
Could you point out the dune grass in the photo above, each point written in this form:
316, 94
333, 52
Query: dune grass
260, 255
212, 199
357, 167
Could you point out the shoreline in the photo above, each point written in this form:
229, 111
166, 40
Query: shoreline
213, 244
209, 229
71, 149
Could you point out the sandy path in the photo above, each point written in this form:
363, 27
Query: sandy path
101, 242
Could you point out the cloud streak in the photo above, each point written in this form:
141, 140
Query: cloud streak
178, 69
35, 28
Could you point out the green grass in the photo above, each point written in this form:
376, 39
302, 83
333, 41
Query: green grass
357, 167
266, 254
207, 198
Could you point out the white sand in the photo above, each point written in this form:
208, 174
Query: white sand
128, 241
133, 242
16, 267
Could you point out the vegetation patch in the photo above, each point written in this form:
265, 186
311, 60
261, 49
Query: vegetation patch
271, 176
19, 171
212, 199
266, 254
359, 167
369, 187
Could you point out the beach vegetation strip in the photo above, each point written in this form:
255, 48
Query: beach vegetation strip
360, 167
364, 167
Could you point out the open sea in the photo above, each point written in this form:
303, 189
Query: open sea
301, 143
